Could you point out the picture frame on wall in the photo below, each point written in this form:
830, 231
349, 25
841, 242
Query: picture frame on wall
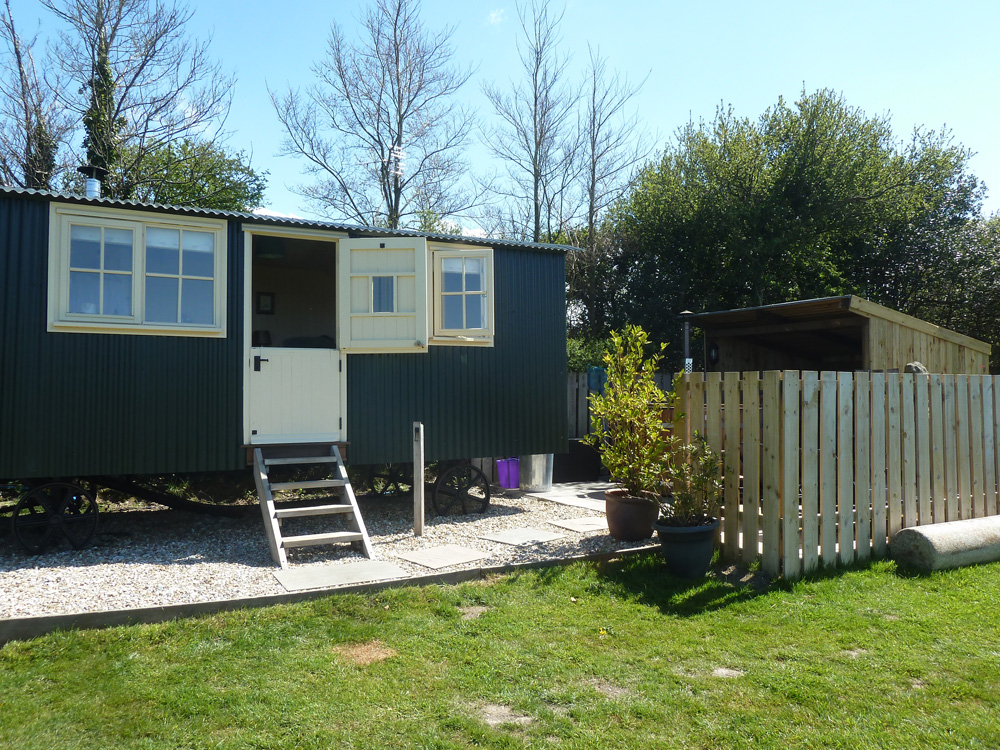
265, 303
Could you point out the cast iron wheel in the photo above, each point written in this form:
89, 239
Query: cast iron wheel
463, 486
389, 480
54, 511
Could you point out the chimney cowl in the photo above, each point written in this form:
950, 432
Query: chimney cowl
94, 177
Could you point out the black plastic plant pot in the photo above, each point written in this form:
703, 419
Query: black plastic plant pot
687, 549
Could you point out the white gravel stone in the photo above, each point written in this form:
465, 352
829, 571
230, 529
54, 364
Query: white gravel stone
153, 557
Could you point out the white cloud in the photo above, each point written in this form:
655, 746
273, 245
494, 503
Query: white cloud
496, 17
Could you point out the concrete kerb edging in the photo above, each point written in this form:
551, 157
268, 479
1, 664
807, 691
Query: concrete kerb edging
23, 628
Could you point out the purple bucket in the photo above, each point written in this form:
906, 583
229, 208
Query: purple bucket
509, 473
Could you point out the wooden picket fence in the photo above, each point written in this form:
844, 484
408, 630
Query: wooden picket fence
824, 468
578, 407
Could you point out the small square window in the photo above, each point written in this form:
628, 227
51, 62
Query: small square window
383, 297
463, 304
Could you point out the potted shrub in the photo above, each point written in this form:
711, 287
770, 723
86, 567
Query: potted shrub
627, 428
693, 484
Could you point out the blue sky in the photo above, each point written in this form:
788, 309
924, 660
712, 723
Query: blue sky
926, 63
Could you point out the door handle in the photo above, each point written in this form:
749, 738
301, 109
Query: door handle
257, 359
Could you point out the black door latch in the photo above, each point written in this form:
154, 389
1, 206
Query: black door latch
256, 362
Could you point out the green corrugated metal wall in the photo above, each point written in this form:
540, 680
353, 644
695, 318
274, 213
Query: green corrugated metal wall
506, 400
76, 404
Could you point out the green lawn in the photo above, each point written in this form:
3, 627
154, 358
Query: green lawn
587, 656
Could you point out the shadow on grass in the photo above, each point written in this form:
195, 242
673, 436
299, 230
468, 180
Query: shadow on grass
644, 578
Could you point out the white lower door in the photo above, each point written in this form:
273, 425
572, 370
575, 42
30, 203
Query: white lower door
296, 395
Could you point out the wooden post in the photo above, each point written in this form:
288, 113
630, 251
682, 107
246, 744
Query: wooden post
771, 473
791, 411
751, 466
845, 466
880, 498
418, 479
810, 471
828, 467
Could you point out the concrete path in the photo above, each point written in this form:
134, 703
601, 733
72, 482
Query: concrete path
444, 556
331, 576
588, 495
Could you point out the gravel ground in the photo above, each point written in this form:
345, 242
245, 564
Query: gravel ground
145, 557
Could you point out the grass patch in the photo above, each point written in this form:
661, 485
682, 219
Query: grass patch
589, 655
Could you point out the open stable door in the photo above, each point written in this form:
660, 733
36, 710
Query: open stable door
295, 374
382, 293
296, 396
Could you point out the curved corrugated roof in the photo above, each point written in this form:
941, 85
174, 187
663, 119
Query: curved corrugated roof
266, 220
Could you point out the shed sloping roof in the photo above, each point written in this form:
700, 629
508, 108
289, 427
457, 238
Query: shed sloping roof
814, 314
286, 221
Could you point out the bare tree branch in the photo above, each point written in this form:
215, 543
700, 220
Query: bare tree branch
166, 87
536, 137
388, 95
32, 125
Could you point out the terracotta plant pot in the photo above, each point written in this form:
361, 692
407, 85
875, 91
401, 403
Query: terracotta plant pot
630, 518
687, 549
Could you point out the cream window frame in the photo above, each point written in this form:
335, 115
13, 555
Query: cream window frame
467, 336
61, 217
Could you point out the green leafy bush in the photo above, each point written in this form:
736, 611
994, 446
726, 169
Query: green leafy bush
627, 421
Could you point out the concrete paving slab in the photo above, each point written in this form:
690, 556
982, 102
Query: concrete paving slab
332, 576
522, 537
583, 525
443, 556
588, 495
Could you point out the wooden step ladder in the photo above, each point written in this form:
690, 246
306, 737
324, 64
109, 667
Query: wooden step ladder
326, 455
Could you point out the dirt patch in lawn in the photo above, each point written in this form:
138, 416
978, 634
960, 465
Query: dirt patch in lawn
608, 689
363, 654
727, 673
472, 612
495, 715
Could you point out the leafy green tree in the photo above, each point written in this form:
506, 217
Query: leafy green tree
811, 199
203, 174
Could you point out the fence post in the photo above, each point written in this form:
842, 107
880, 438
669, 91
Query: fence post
828, 468
976, 429
810, 471
909, 451
751, 466
862, 465
878, 446
771, 473
790, 537
989, 446
845, 466
418, 479
733, 422
921, 385
964, 449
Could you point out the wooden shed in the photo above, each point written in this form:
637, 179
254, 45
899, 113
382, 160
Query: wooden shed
833, 333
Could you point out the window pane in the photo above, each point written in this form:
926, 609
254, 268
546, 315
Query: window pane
161, 300
382, 297
84, 247
452, 309
196, 302
473, 276
162, 250
451, 270
118, 294
118, 250
84, 292
199, 254
475, 312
